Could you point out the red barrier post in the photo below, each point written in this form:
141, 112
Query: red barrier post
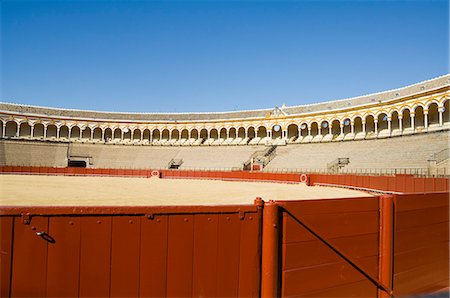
386, 248
270, 239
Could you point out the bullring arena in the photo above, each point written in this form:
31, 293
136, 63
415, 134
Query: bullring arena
343, 198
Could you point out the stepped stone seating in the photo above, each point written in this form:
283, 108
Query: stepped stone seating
400, 152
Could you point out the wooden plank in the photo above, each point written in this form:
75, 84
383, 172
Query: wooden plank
363, 288
324, 276
228, 252
421, 217
416, 257
179, 255
29, 270
153, 258
331, 206
95, 256
331, 226
63, 257
421, 201
250, 255
125, 255
420, 236
205, 255
6, 248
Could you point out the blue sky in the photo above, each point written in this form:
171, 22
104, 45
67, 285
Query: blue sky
180, 56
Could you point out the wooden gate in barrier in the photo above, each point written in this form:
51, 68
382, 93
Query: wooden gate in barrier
358, 247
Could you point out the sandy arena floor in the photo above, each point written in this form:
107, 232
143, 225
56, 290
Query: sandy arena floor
34, 190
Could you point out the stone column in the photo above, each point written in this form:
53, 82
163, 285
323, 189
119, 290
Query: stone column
45, 131
375, 123
400, 123
364, 127
413, 127
57, 132
309, 130
4, 129
32, 131
121, 135
342, 128
425, 119
389, 125
441, 111
352, 127
18, 130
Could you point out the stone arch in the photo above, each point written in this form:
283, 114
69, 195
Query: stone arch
175, 134
335, 127
98, 134
395, 122
232, 133
406, 118
382, 119
314, 128
165, 134
185, 134
419, 119
86, 133
433, 114
214, 134
75, 132
292, 130
127, 133
38, 130
136, 134
277, 134
325, 126
146, 134
251, 132
107, 135
156, 134
303, 129
51, 131
262, 132
203, 134
357, 124
223, 133
64, 132
347, 125
370, 123
241, 132
25, 130
194, 133
117, 133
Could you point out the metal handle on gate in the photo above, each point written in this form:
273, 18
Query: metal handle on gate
45, 236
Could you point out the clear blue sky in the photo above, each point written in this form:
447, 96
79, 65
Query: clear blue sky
177, 56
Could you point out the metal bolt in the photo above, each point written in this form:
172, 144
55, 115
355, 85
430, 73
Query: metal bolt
209, 218
130, 221
251, 217
33, 228
228, 218
186, 220
158, 220
71, 223
99, 222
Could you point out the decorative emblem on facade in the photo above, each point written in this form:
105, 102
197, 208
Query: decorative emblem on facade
276, 113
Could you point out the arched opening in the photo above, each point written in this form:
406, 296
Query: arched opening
251, 133
358, 126
262, 132
1, 128
277, 131
214, 134
117, 134
223, 133
165, 134
38, 130
292, 131
446, 114
75, 132
175, 134
347, 126
194, 134
185, 134
303, 129
419, 120
335, 128
64, 132
11, 129
203, 134
382, 122
108, 134
406, 120
51, 131
98, 134
241, 132
433, 114
146, 134
126, 134
156, 134
325, 127
232, 133
137, 134
25, 130
86, 134
370, 124
314, 129
394, 121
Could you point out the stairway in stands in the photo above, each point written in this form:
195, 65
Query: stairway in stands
260, 159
